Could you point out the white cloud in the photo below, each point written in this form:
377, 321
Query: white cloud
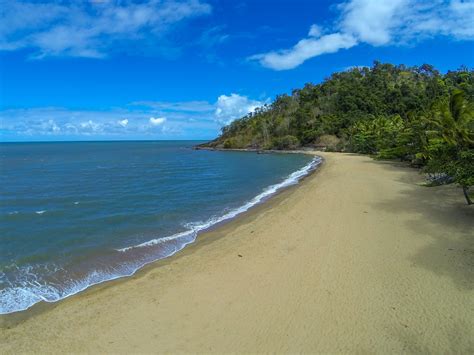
91, 127
315, 31
139, 120
157, 121
50, 126
304, 50
89, 29
123, 122
377, 23
228, 108
63, 122
372, 21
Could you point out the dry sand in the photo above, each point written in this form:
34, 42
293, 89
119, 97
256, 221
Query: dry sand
358, 258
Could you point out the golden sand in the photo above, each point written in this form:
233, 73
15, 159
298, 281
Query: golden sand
358, 258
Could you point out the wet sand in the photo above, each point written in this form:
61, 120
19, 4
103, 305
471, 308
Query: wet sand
358, 258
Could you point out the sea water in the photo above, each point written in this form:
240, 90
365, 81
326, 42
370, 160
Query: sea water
77, 214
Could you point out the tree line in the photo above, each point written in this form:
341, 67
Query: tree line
415, 114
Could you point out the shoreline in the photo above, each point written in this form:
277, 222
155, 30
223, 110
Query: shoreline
300, 150
214, 222
290, 275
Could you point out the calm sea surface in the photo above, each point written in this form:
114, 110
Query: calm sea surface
77, 214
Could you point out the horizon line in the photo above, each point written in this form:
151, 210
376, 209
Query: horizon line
108, 141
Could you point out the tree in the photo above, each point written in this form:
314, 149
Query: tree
415, 114
450, 148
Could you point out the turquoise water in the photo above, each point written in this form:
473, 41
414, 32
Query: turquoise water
76, 214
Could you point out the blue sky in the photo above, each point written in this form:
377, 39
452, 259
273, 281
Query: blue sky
168, 69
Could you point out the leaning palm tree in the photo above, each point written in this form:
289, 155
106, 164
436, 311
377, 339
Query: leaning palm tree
455, 121
451, 143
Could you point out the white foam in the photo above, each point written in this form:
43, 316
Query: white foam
16, 299
32, 290
194, 229
40, 212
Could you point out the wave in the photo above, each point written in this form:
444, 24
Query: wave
32, 289
195, 229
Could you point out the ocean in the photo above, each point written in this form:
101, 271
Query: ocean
76, 214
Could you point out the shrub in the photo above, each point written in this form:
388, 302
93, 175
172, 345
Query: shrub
230, 143
330, 142
286, 142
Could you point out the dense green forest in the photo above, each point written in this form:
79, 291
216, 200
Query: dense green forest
415, 114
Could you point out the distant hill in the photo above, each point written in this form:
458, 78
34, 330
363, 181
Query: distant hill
411, 113
326, 114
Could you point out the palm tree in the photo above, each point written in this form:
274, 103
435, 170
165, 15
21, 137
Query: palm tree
454, 133
455, 121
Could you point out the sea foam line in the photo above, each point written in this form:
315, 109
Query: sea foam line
270, 190
15, 299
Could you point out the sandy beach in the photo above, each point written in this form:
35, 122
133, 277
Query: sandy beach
360, 257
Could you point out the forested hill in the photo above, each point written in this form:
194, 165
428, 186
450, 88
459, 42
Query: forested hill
411, 113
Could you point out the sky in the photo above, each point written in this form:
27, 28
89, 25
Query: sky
169, 69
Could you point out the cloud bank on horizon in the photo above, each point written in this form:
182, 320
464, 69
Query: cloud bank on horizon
378, 23
140, 119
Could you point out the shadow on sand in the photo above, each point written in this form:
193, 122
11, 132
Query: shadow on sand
450, 228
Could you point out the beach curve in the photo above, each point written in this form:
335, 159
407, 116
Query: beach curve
358, 258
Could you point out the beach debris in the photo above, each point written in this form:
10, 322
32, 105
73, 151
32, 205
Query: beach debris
239, 255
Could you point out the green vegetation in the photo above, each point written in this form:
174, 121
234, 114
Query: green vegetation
414, 114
